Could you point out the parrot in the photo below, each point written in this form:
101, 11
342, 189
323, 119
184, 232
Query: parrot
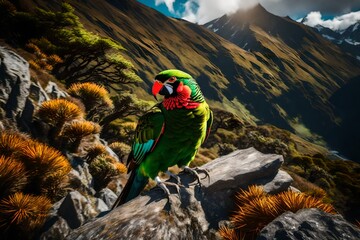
168, 134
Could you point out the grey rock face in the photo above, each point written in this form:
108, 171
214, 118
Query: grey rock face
14, 82
108, 196
54, 91
197, 212
58, 229
76, 209
309, 224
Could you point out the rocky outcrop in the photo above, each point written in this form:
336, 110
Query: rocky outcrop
14, 82
309, 224
196, 212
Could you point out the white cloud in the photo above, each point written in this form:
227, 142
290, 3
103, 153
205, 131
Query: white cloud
338, 23
208, 10
169, 4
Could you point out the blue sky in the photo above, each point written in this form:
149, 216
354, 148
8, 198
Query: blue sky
202, 11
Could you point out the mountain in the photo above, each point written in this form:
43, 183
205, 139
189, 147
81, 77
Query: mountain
348, 40
284, 75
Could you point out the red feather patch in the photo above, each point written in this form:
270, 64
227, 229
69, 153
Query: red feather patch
182, 100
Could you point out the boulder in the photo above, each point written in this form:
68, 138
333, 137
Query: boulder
108, 196
76, 209
53, 90
196, 212
308, 224
57, 230
14, 82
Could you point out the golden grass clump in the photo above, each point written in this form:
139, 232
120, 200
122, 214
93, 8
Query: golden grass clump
47, 168
80, 129
246, 196
23, 212
13, 176
293, 201
121, 149
255, 209
91, 94
45, 160
227, 233
120, 167
95, 151
58, 111
11, 143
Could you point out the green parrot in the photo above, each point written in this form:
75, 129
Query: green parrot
168, 134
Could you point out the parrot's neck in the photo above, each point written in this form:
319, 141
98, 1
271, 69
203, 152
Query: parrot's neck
182, 100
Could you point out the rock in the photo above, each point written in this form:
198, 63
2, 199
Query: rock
14, 82
309, 224
281, 181
197, 214
80, 176
100, 206
76, 209
108, 196
58, 229
54, 91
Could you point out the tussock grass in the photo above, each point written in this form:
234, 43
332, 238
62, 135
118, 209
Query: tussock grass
23, 212
95, 151
13, 176
58, 111
91, 94
255, 209
11, 143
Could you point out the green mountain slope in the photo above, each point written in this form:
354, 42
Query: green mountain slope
286, 79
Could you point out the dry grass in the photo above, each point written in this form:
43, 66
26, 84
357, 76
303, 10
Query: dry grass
13, 176
91, 94
58, 111
23, 212
11, 143
80, 129
120, 167
45, 160
94, 151
121, 149
246, 196
255, 209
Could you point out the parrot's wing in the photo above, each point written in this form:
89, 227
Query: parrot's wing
147, 134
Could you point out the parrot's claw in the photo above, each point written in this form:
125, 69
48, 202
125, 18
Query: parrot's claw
174, 176
196, 172
162, 185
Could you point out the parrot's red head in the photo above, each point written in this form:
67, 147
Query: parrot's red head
179, 89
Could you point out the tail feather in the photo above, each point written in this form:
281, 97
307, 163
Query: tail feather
135, 184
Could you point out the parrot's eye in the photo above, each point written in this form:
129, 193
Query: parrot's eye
171, 80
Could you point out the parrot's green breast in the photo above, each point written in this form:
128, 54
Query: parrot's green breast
185, 131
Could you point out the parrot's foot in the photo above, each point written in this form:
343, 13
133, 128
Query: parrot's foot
162, 185
196, 172
174, 176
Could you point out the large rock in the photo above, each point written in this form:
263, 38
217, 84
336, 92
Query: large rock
76, 209
14, 82
197, 214
308, 224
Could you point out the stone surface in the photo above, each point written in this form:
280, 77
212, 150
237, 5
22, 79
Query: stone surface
309, 224
57, 230
108, 196
76, 209
53, 90
197, 212
14, 82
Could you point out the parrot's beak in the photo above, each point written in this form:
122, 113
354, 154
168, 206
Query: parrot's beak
157, 86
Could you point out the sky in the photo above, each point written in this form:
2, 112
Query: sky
334, 14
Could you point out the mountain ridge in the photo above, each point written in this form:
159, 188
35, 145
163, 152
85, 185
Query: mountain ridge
261, 86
